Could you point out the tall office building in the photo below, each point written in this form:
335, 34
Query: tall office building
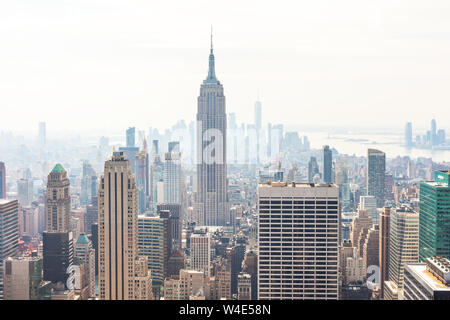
298, 241
376, 174
403, 248
369, 203
176, 222
118, 232
172, 177
9, 233
434, 206
2, 180
433, 132
151, 244
23, 279
25, 192
142, 178
131, 137
408, 135
88, 184
200, 252
383, 247
130, 150
58, 200
313, 169
211, 198
57, 256
42, 134
156, 176
327, 164
258, 127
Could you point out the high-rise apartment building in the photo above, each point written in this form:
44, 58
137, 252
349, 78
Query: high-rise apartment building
58, 200
9, 233
403, 248
434, 204
376, 172
118, 232
298, 241
327, 164
211, 197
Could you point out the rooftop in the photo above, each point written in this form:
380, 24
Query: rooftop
82, 239
296, 184
420, 269
58, 168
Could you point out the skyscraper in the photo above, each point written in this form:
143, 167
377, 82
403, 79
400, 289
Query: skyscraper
200, 252
25, 192
118, 232
142, 179
434, 204
131, 137
9, 233
258, 126
313, 169
172, 177
327, 164
58, 200
2, 180
403, 248
384, 247
408, 135
151, 244
130, 150
298, 241
376, 174
211, 203
433, 132
88, 183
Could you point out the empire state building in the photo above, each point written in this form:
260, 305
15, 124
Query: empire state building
211, 205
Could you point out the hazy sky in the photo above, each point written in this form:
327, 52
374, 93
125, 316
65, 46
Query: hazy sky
87, 64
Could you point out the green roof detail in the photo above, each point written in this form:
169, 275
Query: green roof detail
83, 239
58, 168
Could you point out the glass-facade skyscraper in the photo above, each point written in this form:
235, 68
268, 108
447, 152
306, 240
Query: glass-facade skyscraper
376, 175
434, 209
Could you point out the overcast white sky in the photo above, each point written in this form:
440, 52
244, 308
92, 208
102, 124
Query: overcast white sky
87, 64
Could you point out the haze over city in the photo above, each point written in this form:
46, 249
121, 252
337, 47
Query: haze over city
324, 63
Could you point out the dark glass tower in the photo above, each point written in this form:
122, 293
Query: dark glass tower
327, 164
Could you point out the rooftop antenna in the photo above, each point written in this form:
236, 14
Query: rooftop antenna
211, 38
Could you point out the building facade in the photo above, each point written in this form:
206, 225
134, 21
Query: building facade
298, 241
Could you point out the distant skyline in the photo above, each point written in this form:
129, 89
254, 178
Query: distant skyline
93, 65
